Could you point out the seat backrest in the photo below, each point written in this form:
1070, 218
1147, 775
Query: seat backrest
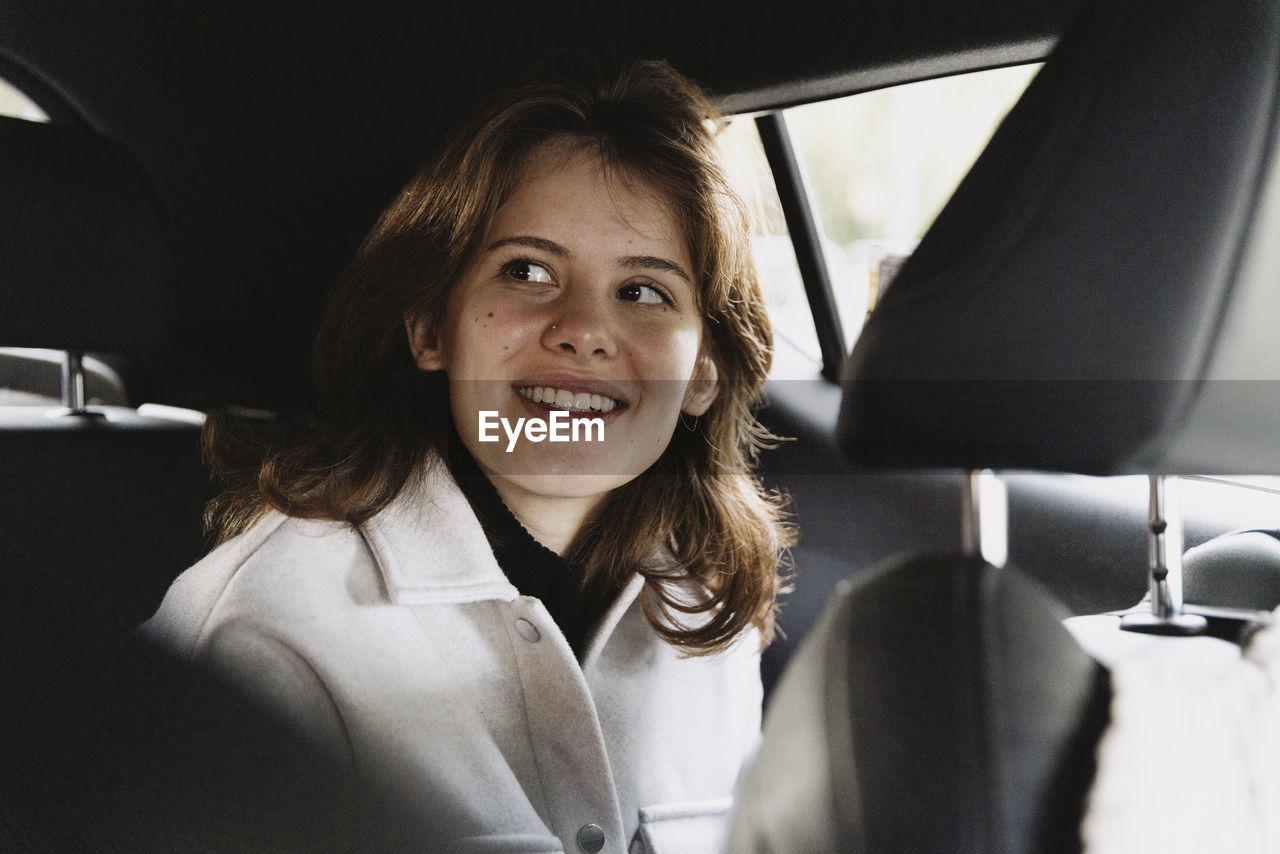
111, 501
112, 745
1088, 301
105, 745
112, 504
941, 707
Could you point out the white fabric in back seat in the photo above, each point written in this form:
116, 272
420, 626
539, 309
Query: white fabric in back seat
1191, 760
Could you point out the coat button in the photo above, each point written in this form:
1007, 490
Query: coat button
530, 632
591, 838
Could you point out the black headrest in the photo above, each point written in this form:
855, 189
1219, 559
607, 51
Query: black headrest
1099, 294
940, 706
1236, 570
82, 253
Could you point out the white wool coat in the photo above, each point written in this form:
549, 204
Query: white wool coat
401, 645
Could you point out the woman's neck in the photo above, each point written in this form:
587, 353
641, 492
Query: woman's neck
553, 521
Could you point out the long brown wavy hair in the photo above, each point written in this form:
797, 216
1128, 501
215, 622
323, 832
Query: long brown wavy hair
380, 419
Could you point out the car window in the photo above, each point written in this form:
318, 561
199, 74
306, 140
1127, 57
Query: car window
1239, 502
882, 164
878, 168
15, 104
771, 245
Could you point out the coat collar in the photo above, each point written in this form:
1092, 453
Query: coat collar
430, 547
603, 629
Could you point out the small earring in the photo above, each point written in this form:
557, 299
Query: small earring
692, 428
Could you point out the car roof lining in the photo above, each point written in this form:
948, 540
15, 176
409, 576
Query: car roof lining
795, 93
275, 133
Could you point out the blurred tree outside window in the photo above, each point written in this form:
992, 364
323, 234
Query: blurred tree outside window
879, 167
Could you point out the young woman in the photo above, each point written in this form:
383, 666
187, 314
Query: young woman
540, 645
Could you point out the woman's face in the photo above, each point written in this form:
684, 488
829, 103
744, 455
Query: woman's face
581, 301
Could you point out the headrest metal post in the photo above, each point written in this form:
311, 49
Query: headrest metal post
1164, 562
984, 524
73, 382
73, 398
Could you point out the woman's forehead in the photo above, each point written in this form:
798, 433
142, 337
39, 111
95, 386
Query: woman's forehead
582, 155
569, 187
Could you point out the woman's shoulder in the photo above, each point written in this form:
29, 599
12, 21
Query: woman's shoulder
288, 575
282, 569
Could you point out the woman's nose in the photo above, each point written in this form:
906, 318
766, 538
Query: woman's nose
580, 326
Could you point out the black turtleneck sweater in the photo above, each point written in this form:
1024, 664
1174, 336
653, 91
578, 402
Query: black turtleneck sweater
532, 568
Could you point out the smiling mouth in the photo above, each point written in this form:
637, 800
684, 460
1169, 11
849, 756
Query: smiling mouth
571, 401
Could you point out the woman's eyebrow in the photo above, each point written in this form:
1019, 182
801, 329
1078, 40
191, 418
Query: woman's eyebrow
653, 262
539, 243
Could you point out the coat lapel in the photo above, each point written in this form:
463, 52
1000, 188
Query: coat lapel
603, 629
430, 547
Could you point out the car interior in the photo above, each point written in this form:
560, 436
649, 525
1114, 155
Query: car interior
1063, 404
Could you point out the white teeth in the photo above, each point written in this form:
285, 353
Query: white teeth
564, 399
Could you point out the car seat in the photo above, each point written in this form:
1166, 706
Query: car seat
110, 744
1097, 297
106, 497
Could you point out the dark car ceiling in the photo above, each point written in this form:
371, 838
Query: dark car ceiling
275, 131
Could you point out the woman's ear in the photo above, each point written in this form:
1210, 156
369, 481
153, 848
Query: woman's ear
424, 344
703, 387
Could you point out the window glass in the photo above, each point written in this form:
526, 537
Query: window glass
775, 258
1239, 502
881, 165
17, 105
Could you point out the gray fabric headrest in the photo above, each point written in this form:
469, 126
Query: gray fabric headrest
82, 252
1240, 569
1099, 294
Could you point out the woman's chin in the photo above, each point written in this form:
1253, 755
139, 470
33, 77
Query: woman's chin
564, 471
566, 484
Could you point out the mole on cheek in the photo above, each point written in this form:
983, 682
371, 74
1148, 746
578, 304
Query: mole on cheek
491, 314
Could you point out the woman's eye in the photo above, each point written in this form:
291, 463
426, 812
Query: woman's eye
527, 271
642, 293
